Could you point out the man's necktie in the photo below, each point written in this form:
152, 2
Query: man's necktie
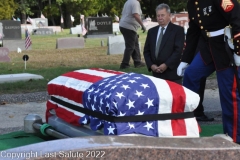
159, 42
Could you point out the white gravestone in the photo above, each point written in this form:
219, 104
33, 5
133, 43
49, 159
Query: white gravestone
76, 30
116, 45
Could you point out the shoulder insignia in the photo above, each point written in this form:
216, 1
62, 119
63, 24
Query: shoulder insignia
227, 5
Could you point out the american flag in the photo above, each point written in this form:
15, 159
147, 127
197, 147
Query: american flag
28, 41
42, 16
124, 94
72, 18
29, 20
84, 30
62, 19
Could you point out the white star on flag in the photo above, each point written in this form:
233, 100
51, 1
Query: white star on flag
85, 121
89, 98
149, 102
121, 114
132, 81
115, 104
95, 98
125, 87
120, 95
148, 126
140, 113
131, 125
93, 108
90, 90
139, 94
144, 86
130, 104
110, 130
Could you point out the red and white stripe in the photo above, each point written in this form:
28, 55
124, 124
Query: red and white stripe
28, 41
175, 98
70, 87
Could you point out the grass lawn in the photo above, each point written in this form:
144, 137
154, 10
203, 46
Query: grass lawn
46, 60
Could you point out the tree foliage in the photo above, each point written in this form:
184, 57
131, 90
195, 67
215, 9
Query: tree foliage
53, 9
7, 9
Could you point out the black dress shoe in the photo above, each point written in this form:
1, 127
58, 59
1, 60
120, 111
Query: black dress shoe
124, 66
204, 118
141, 64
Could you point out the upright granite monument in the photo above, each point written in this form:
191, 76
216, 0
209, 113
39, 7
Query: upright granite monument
99, 27
11, 35
10, 30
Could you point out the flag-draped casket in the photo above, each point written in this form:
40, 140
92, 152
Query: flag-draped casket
118, 94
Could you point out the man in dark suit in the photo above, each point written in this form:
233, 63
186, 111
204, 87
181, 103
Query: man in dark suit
164, 46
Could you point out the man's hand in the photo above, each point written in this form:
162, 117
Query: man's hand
143, 29
159, 69
162, 68
181, 68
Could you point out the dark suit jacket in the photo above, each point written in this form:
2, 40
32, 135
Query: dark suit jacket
169, 53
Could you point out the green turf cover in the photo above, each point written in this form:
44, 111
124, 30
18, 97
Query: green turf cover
211, 130
20, 138
17, 139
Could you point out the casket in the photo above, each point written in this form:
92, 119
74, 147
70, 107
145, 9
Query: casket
100, 101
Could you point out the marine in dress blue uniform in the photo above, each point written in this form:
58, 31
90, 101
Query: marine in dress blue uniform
207, 20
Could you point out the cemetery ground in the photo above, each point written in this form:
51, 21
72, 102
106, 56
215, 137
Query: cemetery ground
49, 62
46, 60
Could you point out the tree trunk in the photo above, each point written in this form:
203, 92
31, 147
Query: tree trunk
23, 18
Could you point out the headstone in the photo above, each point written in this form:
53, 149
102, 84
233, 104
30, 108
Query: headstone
116, 45
10, 30
116, 27
43, 31
7, 78
4, 54
13, 45
99, 26
76, 30
70, 42
40, 22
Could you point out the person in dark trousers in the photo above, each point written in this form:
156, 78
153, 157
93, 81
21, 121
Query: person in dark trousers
199, 111
129, 24
164, 46
207, 22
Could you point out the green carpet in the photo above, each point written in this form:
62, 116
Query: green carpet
20, 138
211, 130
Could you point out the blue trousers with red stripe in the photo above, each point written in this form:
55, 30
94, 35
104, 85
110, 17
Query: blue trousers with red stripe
228, 92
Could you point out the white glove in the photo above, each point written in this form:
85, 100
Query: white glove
181, 68
236, 59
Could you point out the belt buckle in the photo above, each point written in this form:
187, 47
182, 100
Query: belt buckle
208, 34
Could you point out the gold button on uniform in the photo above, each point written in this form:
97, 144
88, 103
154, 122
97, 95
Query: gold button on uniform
192, 18
238, 41
200, 21
196, 3
198, 15
201, 27
198, 9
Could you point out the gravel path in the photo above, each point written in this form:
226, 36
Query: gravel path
43, 96
23, 98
